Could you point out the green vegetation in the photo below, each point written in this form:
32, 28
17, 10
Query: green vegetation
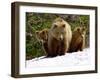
39, 21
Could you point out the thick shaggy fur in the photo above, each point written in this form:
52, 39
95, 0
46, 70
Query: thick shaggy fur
78, 40
59, 38
43, 37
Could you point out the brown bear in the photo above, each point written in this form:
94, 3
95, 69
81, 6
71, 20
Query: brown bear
78, 39
42, 36
59, 37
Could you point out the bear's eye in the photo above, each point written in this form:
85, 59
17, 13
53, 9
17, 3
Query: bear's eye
37, 32
55, 26
63, 25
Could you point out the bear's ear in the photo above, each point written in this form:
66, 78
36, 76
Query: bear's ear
37, 32
63, 25
83, 29
43, 32
46, 31
55, 26
78, 29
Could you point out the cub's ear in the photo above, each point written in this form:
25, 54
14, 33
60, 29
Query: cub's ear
43, 32
46, 30
37, 32
78, 29
84, 29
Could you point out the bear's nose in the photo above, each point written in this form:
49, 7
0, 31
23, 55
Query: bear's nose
61, 37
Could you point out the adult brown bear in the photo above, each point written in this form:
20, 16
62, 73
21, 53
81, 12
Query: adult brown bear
78, 39
59, 37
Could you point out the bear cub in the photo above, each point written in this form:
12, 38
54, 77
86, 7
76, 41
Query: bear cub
42, 36
78, 39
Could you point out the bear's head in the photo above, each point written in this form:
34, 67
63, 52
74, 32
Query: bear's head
42, 35
80, 30
58, 29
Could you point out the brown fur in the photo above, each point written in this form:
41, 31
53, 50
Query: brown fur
43, 37
78, 40
59, 37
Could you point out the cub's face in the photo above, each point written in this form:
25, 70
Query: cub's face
42, 35
81, 31
59, 29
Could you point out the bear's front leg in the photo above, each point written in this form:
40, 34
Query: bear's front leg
53, 48
62, 48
